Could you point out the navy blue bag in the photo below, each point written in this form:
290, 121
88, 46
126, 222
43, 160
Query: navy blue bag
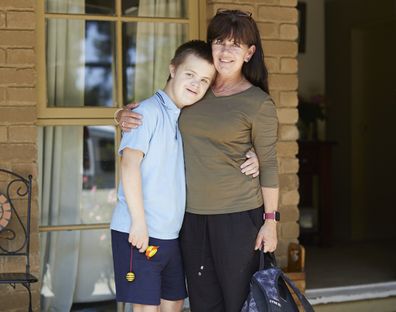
269, 291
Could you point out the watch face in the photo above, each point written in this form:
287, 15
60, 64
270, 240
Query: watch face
5, 211
277, 215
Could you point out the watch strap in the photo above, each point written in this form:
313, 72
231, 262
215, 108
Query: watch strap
275, 215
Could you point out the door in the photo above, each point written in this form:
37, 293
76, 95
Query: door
373, 113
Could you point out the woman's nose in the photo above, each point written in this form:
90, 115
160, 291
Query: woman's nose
226, 48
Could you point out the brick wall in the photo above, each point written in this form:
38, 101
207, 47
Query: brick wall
18, 150
277, 22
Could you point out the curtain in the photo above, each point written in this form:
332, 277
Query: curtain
60, 196
155, 46
65, 53
61, 160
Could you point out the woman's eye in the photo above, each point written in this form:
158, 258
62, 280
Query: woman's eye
189, 74
217, 41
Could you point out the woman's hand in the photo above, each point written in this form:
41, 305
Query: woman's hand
138, 236
127, 119
267, 237
251, 165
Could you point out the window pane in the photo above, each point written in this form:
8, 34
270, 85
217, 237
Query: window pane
148, 49
99, 7
77, 267
80, 63
77, 174
149, 8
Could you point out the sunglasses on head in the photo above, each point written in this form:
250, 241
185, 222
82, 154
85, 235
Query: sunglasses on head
234, 12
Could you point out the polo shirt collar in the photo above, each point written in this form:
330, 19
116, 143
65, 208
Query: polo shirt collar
166, 101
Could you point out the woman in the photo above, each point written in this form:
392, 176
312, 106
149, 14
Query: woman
223, 226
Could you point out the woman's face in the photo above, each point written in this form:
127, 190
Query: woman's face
229, 56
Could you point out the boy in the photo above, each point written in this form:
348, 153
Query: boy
150, 211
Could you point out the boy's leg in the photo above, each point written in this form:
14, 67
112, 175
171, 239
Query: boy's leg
146, 288
145, 308
173, 285
171, 306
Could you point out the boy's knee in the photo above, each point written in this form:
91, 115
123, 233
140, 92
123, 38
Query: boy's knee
171, 306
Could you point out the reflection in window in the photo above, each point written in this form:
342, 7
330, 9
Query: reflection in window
80, 63
99, 162
77, 169
99, 64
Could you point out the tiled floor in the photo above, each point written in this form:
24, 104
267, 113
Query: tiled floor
350, 264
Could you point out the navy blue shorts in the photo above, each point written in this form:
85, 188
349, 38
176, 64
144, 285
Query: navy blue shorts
160, 277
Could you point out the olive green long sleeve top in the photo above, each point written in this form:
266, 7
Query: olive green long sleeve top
217, 133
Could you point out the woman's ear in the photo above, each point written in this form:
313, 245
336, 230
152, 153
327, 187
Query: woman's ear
251, 51
172, 70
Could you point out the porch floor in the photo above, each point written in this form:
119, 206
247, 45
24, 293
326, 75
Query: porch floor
350, 264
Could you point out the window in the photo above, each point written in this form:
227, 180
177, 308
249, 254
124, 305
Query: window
95, 56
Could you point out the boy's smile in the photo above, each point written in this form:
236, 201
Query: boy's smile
190, 80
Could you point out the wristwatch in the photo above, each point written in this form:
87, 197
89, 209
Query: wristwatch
272, 216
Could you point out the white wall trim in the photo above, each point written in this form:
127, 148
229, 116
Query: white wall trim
351, 293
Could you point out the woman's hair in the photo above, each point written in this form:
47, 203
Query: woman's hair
240, 26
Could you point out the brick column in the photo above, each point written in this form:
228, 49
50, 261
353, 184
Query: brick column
277, 22
18, 150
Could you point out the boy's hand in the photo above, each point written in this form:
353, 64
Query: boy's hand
138, 236
251, 165
127, 119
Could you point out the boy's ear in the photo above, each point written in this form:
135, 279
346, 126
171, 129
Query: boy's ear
172, 70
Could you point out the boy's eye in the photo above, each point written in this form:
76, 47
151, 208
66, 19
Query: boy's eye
189, 74
204, 81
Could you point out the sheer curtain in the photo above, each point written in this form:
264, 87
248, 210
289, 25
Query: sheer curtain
61, 181
155, 46
61, 161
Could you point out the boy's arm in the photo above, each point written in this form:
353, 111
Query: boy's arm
132, 184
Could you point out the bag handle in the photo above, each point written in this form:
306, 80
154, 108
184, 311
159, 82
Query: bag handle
304, 301
268, 260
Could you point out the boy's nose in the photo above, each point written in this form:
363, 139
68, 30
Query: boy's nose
195, 83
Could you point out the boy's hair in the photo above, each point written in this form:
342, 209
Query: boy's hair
198, 48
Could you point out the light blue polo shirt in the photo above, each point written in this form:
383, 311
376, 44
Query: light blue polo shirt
162, 169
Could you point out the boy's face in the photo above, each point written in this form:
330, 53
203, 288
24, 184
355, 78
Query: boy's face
190, 80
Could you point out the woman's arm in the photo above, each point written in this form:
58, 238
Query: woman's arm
267, 236
127, 119
264, 136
